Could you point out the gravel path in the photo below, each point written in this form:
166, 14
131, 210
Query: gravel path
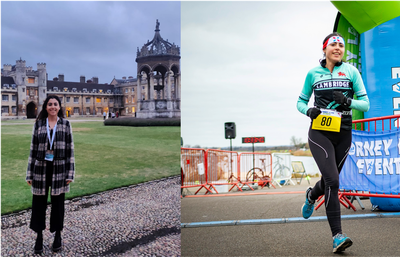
141, 220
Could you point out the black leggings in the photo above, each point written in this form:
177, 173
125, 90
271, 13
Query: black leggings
329, 150
39, 206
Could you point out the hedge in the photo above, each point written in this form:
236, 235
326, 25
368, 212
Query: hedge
136, 122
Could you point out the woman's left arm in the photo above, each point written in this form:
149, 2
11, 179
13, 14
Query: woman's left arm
69, 151
362, 102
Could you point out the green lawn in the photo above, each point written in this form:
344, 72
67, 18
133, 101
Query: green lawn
106, 157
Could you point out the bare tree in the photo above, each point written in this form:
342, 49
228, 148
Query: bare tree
297, 142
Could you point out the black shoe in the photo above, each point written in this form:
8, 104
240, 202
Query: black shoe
57, 244
39, 244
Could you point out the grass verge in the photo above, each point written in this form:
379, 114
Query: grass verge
106, 157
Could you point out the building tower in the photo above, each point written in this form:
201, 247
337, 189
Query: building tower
158, 66
42, 84
20, 75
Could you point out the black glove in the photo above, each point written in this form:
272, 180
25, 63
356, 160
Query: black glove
339, 98
313, 112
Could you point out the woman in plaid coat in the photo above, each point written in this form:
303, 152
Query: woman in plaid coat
51, 164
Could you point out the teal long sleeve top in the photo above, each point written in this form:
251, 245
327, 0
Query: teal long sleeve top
322, 83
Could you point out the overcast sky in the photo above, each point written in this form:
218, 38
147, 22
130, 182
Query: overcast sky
94, 39
246, 62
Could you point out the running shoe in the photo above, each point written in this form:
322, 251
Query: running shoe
341, 242
308, 207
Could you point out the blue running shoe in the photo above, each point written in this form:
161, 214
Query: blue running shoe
341, 242
308, 207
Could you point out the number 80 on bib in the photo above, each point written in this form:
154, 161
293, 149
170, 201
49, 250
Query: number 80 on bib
328, 120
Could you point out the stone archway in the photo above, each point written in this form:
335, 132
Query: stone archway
31, 110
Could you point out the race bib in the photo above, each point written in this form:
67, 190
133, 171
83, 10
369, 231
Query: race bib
328, 120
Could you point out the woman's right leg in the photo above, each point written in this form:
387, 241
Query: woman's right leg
38, 218
323, 152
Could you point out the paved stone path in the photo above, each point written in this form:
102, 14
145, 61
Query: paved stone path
141, 220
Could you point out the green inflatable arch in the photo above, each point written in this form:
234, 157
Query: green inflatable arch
365, 15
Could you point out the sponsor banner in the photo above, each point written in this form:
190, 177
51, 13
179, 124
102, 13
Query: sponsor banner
373, 163
381, 69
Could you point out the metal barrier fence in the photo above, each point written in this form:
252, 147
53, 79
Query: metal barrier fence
376, 124
282, 169
222, 168
255, 168
193, 167
211, 168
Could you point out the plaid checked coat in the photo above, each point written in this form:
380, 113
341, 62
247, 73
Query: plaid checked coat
64, 162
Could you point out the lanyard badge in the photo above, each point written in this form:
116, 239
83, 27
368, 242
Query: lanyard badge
50, 153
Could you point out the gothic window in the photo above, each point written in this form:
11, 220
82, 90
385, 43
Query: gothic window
76, 110
87, 100
4, 98
76, 99
31, 80
14, 97
98, 100
126, 90
68, 99
14, 109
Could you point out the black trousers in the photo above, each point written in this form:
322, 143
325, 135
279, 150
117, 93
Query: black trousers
330, 150
39, 206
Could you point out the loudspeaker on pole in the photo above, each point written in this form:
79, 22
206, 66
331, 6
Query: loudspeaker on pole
230, 130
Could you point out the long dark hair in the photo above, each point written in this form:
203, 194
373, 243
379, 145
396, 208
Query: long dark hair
43, 113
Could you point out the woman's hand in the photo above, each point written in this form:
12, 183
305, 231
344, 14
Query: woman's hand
339, 98
68, 181
313, 112
29, 182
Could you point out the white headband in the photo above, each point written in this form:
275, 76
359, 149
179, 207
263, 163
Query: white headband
333, 40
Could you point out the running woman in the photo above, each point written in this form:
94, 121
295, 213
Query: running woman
333, 83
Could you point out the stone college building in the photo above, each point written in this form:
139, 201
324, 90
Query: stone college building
154, 93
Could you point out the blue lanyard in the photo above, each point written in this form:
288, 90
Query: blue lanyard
48, 132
